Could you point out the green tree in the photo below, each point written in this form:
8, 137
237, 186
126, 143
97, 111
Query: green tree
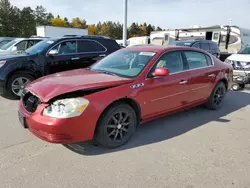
149, 29
40, 14
28, 22
134, 30
158, 29
118, 30
67, 24
99, 28
49, 17
9, 19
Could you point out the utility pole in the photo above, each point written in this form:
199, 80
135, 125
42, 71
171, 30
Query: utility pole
125, 14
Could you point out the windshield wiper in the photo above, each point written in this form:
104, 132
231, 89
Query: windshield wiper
107, 72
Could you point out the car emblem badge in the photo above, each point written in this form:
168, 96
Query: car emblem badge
137, 85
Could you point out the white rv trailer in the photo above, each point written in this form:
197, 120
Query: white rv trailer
231, 39
120, 42
138, 40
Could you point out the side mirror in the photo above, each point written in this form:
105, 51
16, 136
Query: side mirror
14, 48
161, 72
53, 52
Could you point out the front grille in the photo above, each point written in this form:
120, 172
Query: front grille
30, 101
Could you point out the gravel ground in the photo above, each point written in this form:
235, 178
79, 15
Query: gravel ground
191, 149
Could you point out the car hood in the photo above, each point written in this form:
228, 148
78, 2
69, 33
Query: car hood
51, 86
239, 57
11, 55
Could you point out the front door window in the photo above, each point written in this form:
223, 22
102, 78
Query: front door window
65, 48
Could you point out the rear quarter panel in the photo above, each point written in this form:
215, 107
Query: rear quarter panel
225, 71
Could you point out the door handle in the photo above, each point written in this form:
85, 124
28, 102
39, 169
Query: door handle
75, 58
183, 82
102, 55
211, 75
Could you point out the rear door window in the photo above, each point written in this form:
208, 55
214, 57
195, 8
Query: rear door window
196, 59
205, 46
213, 46
90, 46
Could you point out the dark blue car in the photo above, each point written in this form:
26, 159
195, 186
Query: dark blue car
207, 45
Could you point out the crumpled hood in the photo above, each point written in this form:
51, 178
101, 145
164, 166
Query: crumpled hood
239, 57
57, 84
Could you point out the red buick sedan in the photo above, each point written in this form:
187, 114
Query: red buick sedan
108, 100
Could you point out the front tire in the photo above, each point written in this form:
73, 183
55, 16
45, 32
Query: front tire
16, 84
116, 126
235, 87
217, 96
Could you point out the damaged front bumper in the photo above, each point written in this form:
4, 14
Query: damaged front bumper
55, 130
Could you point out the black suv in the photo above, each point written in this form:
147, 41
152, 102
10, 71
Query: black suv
207, 45
51, 56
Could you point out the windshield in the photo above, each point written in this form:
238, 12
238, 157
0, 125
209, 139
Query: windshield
124, 63
246, 50
3, 42
9, 44
40, 46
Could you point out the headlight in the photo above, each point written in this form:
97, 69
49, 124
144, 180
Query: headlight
2, 63
66, 108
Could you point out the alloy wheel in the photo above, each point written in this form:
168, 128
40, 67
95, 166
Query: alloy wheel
118, 126
19, 84
218, 96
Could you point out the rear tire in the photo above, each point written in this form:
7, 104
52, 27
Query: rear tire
116, 126
216, 98
16, 84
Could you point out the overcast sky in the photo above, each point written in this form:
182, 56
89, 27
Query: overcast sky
165, 13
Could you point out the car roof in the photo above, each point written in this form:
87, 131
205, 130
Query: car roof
158, 48
193, 41
76, 37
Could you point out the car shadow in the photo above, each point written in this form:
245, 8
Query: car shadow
9, 98
173, 125
246, 89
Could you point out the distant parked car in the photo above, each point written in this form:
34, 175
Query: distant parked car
51, 56
19, 45
107, 101
5, 40
241, 66
207, 45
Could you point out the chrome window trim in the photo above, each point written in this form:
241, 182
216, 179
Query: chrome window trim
209, 55
77, 47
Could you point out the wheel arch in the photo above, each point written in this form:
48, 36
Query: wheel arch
35, 74
131, 102
224, 81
